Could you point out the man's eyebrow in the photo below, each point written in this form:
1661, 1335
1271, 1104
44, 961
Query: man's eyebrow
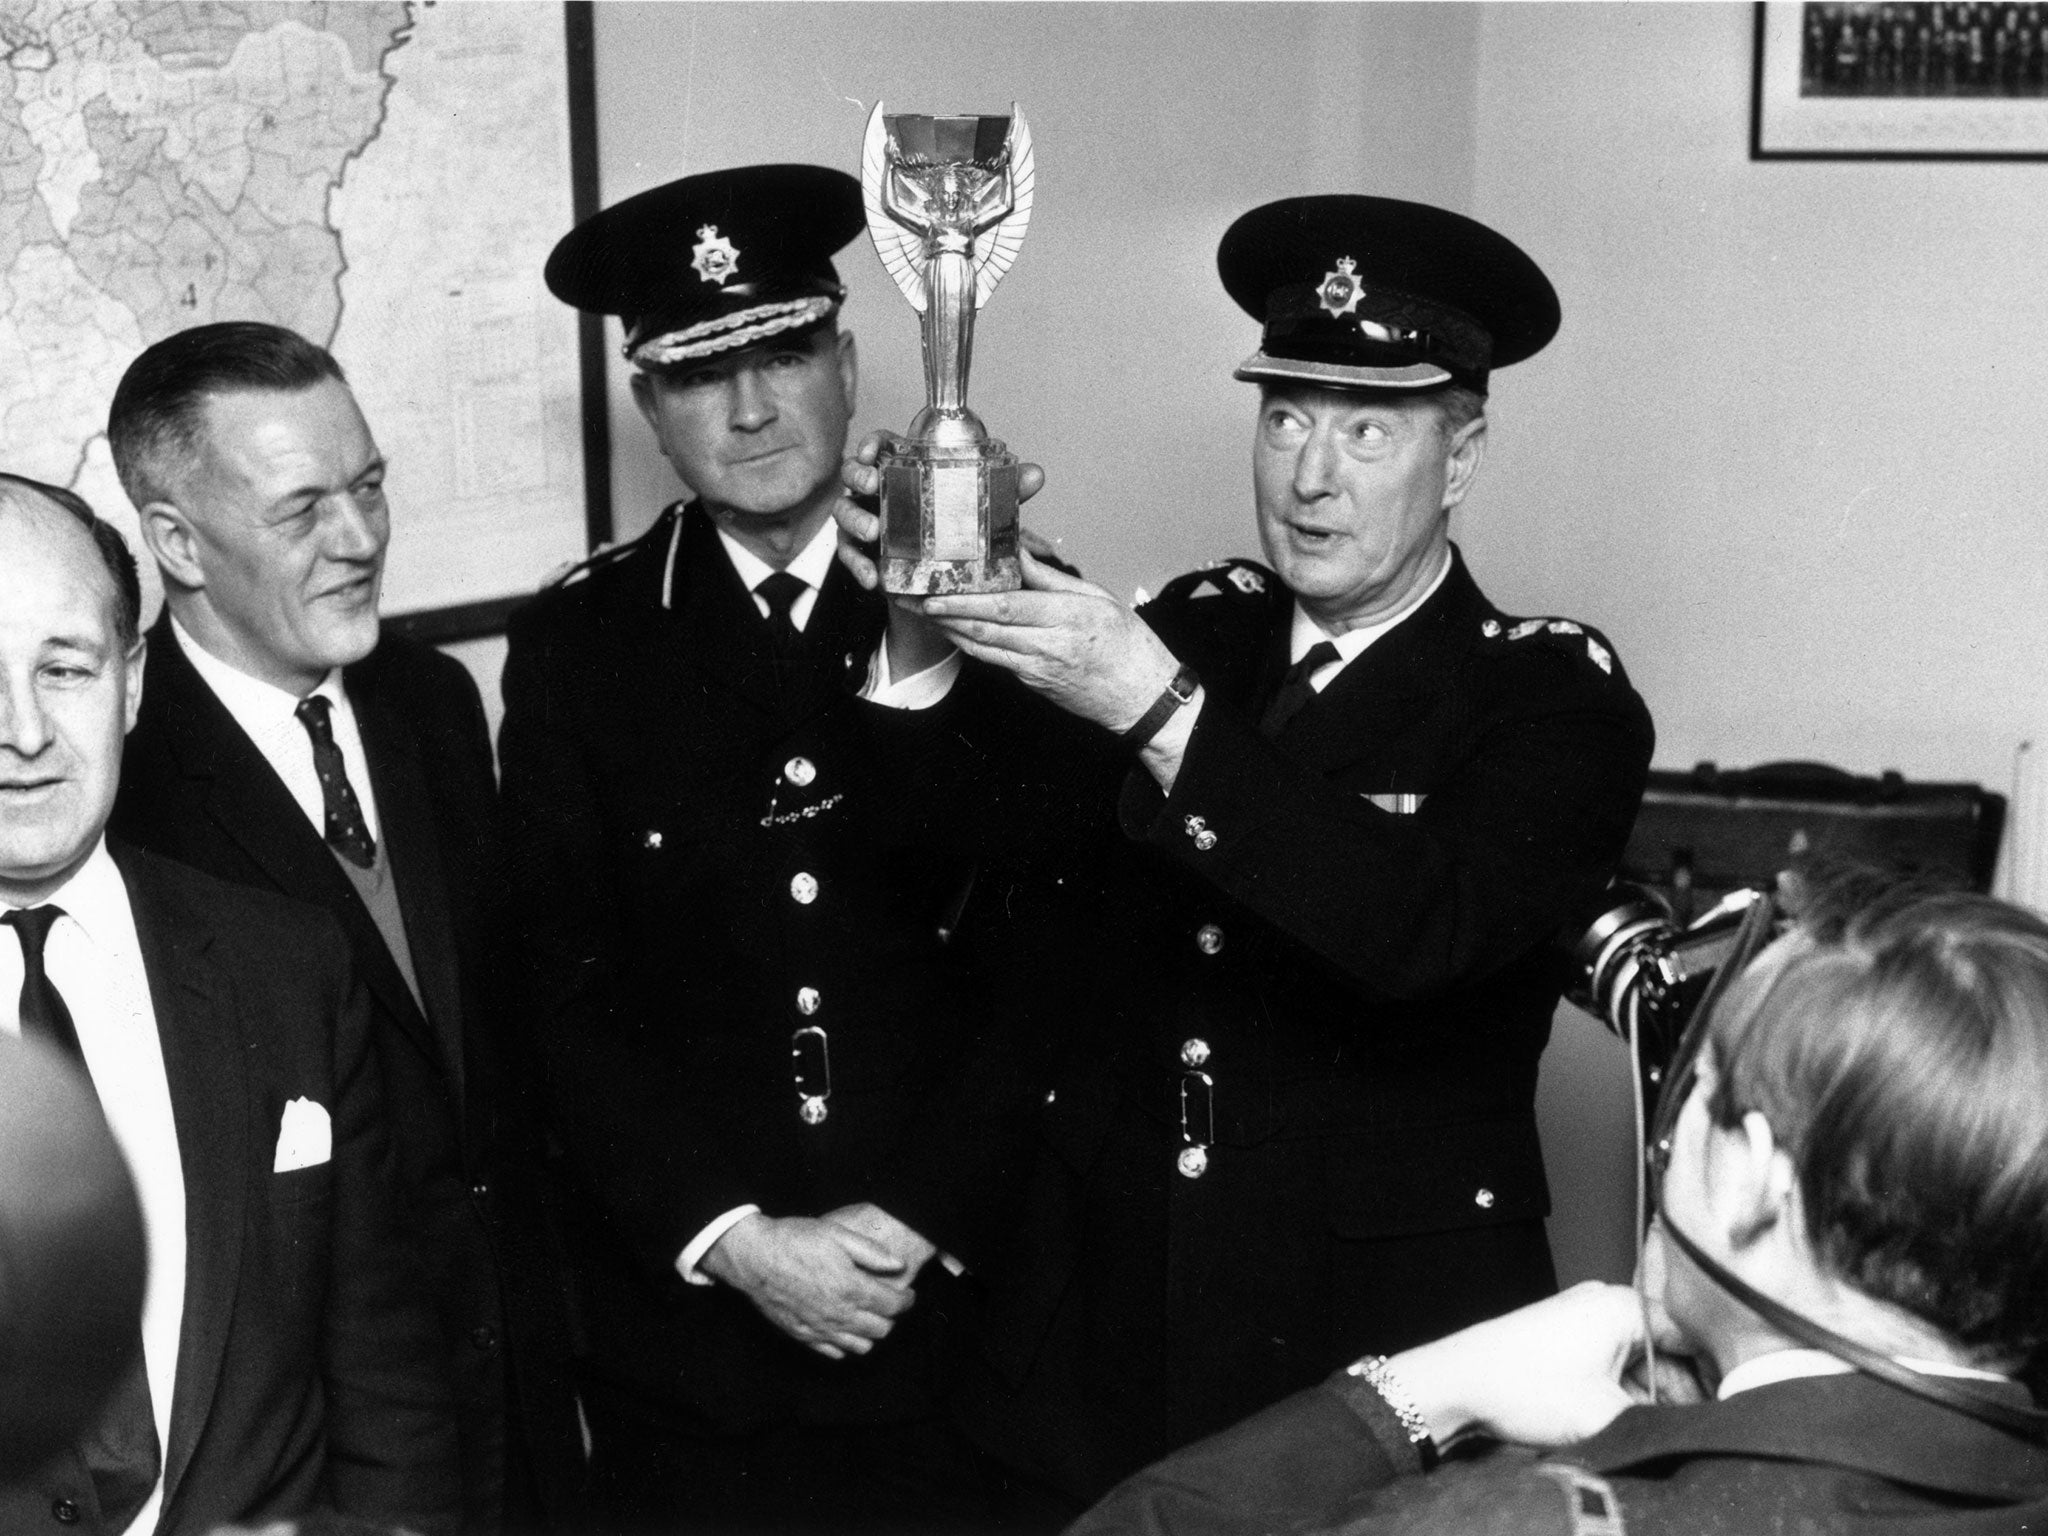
90, 644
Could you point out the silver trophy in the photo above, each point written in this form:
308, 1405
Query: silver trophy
947, 201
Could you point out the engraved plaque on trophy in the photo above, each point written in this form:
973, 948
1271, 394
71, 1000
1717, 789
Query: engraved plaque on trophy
947, 201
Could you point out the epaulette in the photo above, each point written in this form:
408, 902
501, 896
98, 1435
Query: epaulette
1233, 578
607, 554
1562, 634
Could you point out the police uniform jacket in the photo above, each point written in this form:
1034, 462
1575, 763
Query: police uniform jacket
735, 887
1296, 1118
1827, 1455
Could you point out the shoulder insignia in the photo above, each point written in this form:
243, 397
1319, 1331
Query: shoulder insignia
1219, 578
1566, 629
606, 554
569, 572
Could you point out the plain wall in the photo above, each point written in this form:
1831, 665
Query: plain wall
1790, 447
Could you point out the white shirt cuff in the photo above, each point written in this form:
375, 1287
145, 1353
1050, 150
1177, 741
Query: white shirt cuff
702, 1243
921, 690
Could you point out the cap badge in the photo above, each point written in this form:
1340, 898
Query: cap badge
1341, 289
713, 256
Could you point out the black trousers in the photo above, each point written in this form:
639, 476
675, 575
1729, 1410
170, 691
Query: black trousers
659, 1467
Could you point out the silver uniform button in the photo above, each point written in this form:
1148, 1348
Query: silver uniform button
1483, 1198
1205, 840
651, 840
1208, 938
803, 886
799, 771
812, 1111
807, 1000
1193, 1162
1194, 1052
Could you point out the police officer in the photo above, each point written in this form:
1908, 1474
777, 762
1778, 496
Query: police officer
736, 913
1297, 1123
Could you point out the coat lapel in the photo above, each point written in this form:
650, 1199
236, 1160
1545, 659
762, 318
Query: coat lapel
1404, 673
412, 844
203, 1063
719, 642
247, 801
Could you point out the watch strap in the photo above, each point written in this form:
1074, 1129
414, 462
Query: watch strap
1178, 691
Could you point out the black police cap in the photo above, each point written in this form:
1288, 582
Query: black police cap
1374, 293
712, 262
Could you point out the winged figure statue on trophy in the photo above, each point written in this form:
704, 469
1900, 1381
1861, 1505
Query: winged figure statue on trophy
948, 199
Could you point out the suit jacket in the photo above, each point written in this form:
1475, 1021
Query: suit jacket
196, 789
1296, 1123
726, 859
1830, 1456
306, 1374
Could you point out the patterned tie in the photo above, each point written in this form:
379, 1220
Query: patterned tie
121, 1451
780, 592
347, 833
1295, 691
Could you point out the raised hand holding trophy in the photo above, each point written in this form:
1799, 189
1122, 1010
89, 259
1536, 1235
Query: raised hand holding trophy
947, 202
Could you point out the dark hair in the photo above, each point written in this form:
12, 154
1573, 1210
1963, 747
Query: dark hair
153, 424
1897, 1044
106, 538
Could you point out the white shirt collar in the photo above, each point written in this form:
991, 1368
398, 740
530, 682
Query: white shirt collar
1353, 642
94, 897
253, 702
812, 564
1306, 631
1793, 1364
268, 716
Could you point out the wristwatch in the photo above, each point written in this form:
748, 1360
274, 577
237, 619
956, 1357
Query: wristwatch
1179, 690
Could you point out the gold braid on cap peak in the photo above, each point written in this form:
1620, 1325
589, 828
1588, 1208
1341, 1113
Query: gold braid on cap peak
742, 328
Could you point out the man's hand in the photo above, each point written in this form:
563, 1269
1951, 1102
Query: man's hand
859, 529
1545, 1375
822, 1283
887, 1233
1068, 639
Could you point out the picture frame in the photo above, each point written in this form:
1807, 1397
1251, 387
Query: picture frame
1850, 80
479, 619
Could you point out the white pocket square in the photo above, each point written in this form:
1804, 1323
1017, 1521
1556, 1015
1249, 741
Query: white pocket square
305, 1139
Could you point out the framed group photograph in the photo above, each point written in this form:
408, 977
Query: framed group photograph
1848, 80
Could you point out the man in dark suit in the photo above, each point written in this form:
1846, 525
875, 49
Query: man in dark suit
283, 1360
1310, 982
1851, 1250
739, 888
286, 742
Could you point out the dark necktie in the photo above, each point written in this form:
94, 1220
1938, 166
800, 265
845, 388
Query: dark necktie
347, 833
1295, 691
780, 592
43, 1014
121, 1450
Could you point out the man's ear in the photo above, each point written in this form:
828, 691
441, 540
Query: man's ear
1462, 457
132, 667
1759, 1185
849, 370
173, 544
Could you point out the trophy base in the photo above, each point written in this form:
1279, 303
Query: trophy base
936, 578
949, 521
